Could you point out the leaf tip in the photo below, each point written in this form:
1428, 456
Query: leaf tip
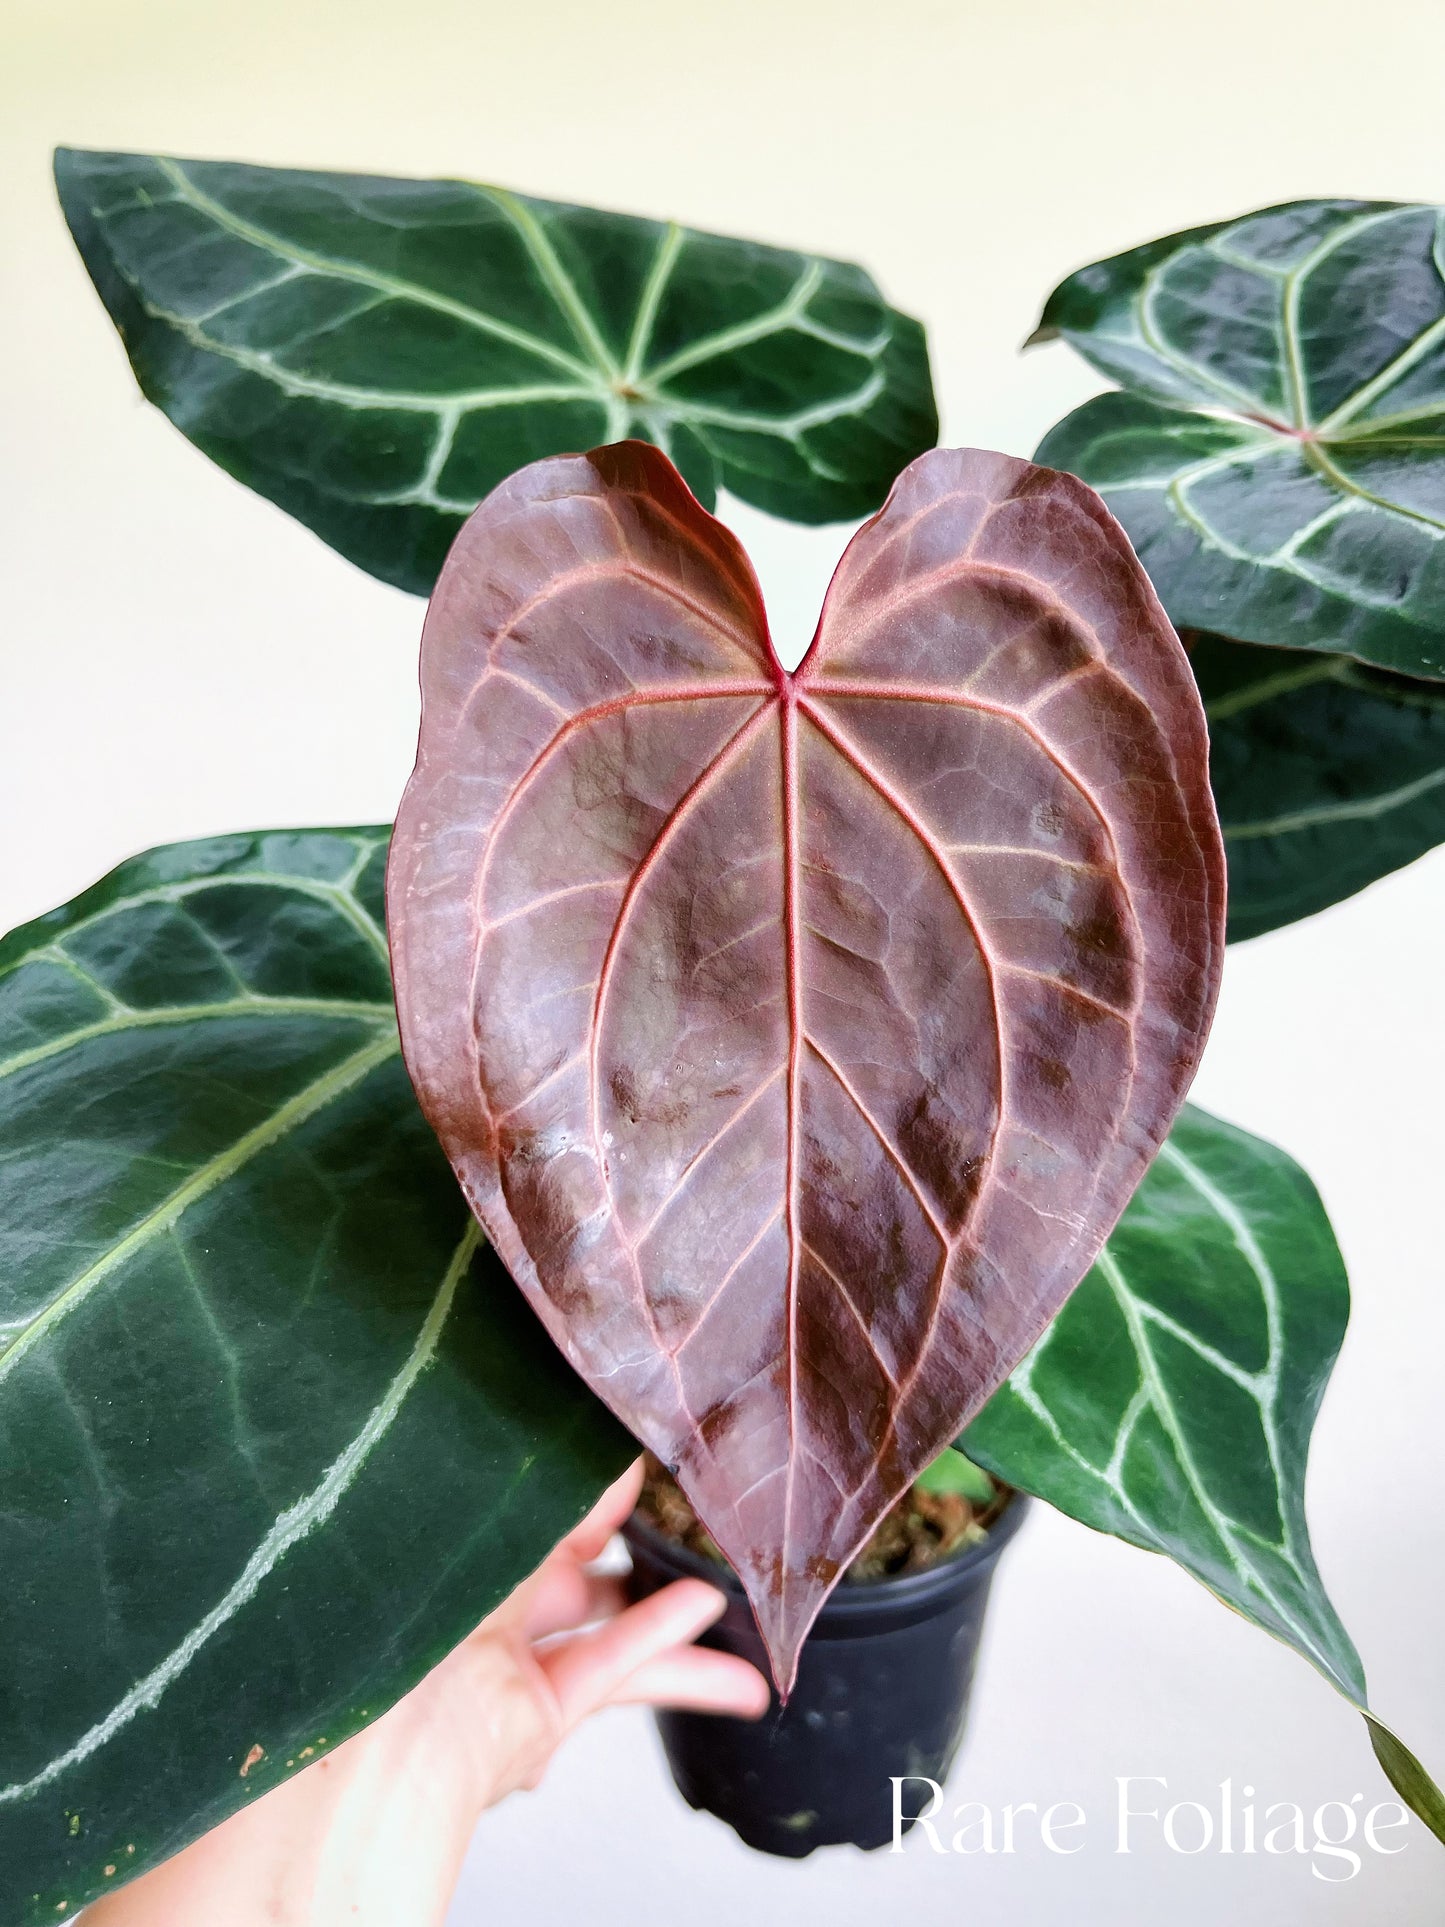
1406, 1775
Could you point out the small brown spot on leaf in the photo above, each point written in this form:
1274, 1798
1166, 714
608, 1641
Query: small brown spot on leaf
624, 1093
1100, 934
253, 1758
637, 1109
109, 1869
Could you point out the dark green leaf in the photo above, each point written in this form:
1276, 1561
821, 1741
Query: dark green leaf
1407, 1776
1280, 460
275, 1432
1171, 1402
1327, 774
376, 355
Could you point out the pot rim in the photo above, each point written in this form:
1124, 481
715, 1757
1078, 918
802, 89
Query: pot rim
865, 1599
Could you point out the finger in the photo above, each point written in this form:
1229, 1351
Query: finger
698, 1680
586, 1671
587, 1540
572, 1597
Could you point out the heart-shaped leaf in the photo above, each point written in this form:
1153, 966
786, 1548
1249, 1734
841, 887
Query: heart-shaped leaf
1280, 461
798, 1037
1171, 1401
1327, 774
275, 1433
375, 355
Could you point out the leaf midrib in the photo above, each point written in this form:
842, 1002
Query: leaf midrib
1261, 1386
1359, 809
799, 688
391, 285
292, 1525
338, 895
300, 1107
1313, 438
1228, 1531
601, 380
1290, 281
369, 1012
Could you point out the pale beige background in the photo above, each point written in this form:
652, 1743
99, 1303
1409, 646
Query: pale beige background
179, 658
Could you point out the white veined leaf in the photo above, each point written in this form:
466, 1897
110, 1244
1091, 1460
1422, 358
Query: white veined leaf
375, 355
1171, 1402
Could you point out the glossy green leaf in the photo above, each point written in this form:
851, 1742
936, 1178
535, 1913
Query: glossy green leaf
1327, 774
275, 1432
1171, 1401
1279, 459
376, 355
951, 1471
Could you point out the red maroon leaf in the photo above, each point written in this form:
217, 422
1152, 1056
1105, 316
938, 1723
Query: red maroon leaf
798, 1038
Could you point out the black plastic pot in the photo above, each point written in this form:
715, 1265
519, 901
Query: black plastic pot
883, 1686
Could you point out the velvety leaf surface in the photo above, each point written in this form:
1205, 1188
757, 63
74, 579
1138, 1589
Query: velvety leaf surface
375, 355
1327, 774
1171, 1401
275, 1430
1279, 459
798, 1037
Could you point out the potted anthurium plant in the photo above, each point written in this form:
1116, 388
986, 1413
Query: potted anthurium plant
809, 1044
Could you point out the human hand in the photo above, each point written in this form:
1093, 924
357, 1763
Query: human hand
527, 1677
375, 1833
